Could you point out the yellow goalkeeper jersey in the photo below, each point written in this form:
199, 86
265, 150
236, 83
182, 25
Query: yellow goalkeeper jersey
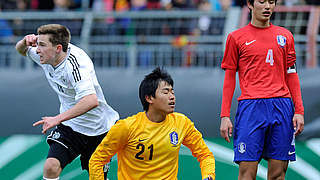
148, 150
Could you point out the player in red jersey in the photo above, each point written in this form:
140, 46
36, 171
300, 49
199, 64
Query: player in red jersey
267, 120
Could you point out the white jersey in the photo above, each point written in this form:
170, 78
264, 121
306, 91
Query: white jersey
73, 79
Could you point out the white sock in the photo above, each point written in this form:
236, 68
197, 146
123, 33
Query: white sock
44, 178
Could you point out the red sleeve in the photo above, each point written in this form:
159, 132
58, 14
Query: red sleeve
295, 91
231, 54
291, 52
228, 90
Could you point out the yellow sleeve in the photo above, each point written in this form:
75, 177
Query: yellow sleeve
114, 141
194, 141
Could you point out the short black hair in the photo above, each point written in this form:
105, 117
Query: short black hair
150, 84
252, 2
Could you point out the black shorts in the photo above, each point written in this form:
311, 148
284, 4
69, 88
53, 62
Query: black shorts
66, 145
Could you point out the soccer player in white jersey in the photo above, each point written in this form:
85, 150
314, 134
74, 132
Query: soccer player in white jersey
85, 117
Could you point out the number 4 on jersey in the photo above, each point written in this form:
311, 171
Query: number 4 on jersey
269, 58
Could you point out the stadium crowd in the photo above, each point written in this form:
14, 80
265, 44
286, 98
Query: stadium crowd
127, 5
12, 28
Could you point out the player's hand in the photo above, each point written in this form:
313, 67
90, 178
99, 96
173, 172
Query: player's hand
47, 123
31, 40
226, 128
298, 123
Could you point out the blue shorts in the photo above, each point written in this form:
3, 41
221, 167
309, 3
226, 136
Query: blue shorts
264, 129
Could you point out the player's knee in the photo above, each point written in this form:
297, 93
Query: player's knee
248, 170
277, 169
52, 168
247, 175
276, 175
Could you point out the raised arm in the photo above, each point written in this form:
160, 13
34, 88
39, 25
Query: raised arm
23, 44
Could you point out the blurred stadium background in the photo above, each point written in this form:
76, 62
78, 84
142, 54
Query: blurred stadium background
125, 43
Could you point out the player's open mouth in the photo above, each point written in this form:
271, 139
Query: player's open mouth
172, 104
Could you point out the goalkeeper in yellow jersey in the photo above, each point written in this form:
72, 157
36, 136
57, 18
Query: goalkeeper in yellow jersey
148, 143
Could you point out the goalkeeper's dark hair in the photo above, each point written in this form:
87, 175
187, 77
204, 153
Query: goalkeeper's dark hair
150, 84
252, 2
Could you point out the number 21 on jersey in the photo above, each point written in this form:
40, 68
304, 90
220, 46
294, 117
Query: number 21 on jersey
269, 58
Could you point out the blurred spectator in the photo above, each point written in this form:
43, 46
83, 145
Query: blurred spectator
103, 26
313, 2
205, 23
6, 37
22, 5
179, 26
76, 4
45, 4
18, 24
290, 2
121, 5
8, 5
74, 25
111, 26
240, 3
280, 2
225, 4
178, 4
138, 5
154, 5
61, 5
218, 5
6, 33
100, 5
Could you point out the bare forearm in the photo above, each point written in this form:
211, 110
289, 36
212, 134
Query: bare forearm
22, 47
23, 44
84, 105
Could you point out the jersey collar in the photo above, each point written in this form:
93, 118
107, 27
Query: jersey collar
57, 67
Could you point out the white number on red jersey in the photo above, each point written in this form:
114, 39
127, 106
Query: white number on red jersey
269, 58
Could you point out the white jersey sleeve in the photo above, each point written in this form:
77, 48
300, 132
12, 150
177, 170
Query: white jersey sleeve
79, 76
32, 54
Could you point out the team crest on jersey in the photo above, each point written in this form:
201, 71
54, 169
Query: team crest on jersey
242, 147
174, 138
281, 40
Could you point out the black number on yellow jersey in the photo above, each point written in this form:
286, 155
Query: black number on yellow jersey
151, 151
142, 147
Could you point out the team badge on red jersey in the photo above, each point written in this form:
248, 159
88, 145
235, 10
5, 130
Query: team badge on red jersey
281, 40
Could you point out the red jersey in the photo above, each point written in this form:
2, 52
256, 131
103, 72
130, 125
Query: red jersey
261, 56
